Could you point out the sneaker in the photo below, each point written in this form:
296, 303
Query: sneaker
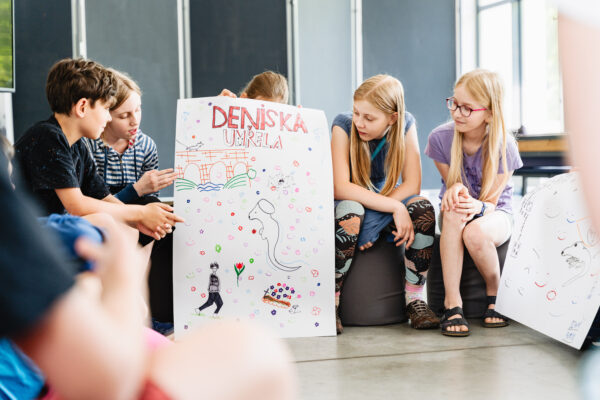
421, 316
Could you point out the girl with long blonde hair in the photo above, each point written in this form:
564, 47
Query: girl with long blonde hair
476, 158
377, 181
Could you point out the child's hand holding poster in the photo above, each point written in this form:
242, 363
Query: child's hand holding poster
255, 187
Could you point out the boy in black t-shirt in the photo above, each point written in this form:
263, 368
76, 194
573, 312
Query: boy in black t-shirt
57, 167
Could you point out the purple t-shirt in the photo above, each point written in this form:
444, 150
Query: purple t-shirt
439, 147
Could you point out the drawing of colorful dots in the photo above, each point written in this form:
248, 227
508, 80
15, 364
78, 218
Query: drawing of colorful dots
273, 312
187, 201
316, 324
193, 288
252, 261
218, 248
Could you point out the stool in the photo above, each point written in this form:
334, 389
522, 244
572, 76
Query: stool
472, 285
373, 291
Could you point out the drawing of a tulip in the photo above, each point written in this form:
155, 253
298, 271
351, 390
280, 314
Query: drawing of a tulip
239, 268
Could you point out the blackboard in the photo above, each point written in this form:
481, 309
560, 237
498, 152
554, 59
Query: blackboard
42, 37
233, 40
140, 38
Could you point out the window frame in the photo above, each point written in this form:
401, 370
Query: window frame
468, 56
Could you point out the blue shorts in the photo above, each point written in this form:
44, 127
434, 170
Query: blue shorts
69, 228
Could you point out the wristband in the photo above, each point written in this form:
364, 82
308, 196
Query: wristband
480, 214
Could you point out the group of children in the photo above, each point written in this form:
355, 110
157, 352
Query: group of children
59, 322
377, 184
91, 160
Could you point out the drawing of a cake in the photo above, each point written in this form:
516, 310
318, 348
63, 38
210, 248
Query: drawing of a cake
279, 295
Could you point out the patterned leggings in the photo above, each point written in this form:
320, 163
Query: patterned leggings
348, 219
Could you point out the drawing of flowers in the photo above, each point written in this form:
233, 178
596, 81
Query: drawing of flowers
239, 268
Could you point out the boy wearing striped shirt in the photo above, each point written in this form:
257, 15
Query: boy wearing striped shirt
126, 158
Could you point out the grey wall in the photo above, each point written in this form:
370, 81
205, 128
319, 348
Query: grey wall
325, 71
233, 40
414, 41
42, 37
140, 38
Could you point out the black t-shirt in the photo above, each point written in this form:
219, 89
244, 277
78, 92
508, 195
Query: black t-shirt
46, 162
32, 273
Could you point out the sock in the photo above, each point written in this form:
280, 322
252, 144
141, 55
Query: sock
413, 292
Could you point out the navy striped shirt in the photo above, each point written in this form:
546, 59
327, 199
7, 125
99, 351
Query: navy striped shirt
120, 169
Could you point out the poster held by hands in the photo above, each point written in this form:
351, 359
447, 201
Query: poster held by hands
255, 186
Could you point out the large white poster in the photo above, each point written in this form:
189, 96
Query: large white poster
255, 186
550, 280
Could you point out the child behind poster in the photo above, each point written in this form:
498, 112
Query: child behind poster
267, 86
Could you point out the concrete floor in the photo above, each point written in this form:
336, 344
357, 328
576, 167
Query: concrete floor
398, 362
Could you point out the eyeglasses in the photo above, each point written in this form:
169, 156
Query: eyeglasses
465, 111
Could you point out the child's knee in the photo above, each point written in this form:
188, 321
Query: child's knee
452, 219
346, 207
422, 214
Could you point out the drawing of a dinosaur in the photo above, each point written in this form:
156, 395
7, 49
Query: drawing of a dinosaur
579, 260
269, 231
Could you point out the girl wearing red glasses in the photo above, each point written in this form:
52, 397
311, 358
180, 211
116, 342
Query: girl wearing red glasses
476, 158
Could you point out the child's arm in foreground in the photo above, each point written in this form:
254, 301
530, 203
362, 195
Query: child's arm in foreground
154, 218
98, 342
580, 62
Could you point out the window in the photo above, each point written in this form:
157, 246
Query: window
519, 40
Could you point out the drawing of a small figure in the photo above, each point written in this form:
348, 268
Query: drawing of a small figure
214, 286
